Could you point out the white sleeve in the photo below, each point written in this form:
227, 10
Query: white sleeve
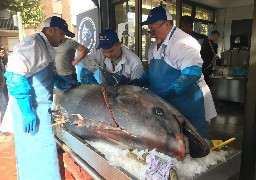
18, 60
16, 65
133, 64
137, 69
90, 60
187, 53
28, 57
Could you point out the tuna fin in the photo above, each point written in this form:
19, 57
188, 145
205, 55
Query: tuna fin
197, 145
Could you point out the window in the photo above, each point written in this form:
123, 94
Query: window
125, 23
204, 14
186, 10
204, 17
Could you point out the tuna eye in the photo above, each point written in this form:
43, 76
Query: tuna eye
159, 111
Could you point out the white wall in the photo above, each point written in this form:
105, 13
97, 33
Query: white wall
224, 19
78, 7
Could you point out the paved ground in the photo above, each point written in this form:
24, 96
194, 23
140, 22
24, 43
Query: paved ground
7, 158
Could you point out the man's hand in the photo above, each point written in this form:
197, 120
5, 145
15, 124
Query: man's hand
74, 62
28, 122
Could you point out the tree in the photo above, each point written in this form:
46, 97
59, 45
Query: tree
31, 10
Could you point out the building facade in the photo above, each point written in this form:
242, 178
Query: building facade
9, 34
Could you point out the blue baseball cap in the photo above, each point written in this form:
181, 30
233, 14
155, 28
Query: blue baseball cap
156, 14
107, 38
58, 22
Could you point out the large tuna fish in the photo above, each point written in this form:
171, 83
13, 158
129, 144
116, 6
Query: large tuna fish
132, 117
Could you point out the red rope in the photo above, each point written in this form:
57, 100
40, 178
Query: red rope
103, 88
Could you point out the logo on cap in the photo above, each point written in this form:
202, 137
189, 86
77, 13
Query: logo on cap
107, 38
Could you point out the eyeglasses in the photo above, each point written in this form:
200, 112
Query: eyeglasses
154, 30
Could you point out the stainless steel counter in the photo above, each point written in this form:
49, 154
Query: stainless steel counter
92, 157
97, 161
229, 88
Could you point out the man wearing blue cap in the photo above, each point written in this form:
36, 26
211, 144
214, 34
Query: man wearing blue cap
175, 69
118, 64
30, 82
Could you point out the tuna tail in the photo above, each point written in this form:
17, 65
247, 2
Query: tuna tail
197, 145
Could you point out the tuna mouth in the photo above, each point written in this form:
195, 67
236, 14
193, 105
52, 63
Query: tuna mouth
197, 145
177, 147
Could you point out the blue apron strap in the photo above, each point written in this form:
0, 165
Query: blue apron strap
43, 41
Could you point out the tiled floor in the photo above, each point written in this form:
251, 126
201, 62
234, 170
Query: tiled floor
228, 124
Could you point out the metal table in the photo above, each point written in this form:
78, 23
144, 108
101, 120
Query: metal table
229, 88
91, 160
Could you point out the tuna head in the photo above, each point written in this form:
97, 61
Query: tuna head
130, 116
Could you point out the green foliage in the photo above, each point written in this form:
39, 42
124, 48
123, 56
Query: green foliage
31, 10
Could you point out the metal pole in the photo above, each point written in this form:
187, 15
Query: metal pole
248, 156
92, 172
138, 28
20, 26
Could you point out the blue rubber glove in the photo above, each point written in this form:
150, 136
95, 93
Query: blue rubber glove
19, 88
184, 81
87, 77
60, 83
28, 116
64, 83
143, 81
122, 80
114, 78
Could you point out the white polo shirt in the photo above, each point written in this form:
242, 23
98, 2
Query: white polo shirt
130, 64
